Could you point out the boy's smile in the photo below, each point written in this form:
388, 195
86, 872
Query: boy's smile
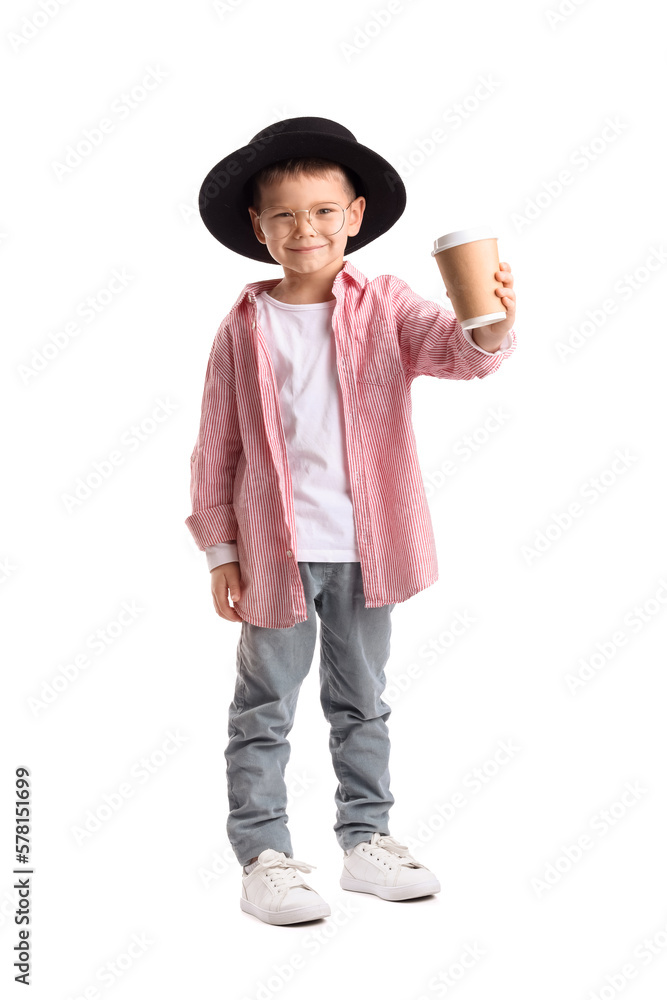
305, 249
310, 260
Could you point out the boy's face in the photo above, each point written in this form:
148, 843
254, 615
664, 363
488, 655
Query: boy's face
305, 192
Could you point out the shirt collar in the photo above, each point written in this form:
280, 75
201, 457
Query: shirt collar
347, 270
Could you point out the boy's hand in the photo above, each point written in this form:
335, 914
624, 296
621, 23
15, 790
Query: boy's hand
226, 578
490, 337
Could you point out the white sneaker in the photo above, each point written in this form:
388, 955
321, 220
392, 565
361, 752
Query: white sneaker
386, 868
275, 892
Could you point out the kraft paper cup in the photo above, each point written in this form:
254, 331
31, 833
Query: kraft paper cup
468, 260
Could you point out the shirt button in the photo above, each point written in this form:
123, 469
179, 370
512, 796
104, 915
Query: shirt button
253, 324
289, 553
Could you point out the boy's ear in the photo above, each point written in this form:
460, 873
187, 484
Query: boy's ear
255, 225
358, 205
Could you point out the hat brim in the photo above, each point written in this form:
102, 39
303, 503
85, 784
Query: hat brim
224, 196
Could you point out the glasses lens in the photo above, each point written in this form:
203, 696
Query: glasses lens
276, 222
326, 218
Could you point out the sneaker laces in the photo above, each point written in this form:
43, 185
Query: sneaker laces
387, 843
283, 870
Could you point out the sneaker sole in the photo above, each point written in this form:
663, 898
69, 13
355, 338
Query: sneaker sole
391, 891
295, 916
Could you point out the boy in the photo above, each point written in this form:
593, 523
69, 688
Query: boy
307, 494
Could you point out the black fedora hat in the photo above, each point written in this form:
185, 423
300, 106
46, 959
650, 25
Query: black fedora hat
226, 192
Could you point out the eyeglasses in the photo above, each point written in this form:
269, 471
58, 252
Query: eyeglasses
278, 222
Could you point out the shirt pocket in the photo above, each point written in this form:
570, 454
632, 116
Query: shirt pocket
378, 354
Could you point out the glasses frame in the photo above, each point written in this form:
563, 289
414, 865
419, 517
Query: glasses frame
308, 210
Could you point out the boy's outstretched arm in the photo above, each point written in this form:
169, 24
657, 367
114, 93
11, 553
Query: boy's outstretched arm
432, 341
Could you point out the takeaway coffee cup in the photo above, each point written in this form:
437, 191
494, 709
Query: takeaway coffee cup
468, 260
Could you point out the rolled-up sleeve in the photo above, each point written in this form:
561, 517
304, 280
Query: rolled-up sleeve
504, 346
214, 461
218, 555
432, 341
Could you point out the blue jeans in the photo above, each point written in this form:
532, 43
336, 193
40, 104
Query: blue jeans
271, 664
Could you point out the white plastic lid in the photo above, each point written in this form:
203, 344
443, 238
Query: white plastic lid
463, 236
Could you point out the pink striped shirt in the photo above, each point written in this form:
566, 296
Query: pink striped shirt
386, 335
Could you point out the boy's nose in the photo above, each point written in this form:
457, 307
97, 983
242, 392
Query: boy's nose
302, 223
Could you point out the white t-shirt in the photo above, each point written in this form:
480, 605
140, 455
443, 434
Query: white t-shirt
303, 351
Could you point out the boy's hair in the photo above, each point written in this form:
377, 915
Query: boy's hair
296, 167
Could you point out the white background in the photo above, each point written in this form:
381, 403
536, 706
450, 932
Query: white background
130, 205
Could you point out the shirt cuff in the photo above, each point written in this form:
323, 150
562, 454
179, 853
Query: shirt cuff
505, 346
223, 552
